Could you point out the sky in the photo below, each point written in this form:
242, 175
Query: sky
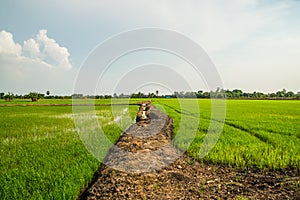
253, 44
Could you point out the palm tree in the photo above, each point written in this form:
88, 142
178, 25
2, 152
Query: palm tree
156, 93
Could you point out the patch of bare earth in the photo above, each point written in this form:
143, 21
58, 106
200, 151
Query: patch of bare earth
145, 165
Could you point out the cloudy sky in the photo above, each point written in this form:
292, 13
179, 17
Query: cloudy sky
254, 44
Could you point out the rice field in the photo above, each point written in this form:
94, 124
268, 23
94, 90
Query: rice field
42, 156
264, 134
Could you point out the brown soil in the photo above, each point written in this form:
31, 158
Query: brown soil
144, 165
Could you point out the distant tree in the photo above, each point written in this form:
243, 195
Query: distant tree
219, 93
246, 94
133, 95
222, 93
206, 95
9, 96
77, 96
228, 94
48, 93
181, 94
258, 95
156, 92
2, 95
122, 95
140, 95
272, 95
151, 95
289, 94
98, 97
280, 94
176, 94
189, 95
284, 91
237, 93
199, 94
35, 96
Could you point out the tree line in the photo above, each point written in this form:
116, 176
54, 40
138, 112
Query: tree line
219, 93
224, 93
34, 96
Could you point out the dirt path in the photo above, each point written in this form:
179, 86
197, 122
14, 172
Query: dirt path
144, 165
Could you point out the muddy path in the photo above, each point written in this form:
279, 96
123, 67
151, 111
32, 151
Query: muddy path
145, 165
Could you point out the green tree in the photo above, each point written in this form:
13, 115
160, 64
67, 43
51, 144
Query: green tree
206, 95
151, 95
237, 93
228, 94
34, 96
280, 94
9, 96
199, 94
289, 94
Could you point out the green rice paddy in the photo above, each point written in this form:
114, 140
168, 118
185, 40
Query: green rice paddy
42, 156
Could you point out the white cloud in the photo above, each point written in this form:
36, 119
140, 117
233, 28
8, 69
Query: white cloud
31, 49
52, 52
40, 49
41, 64
8, 46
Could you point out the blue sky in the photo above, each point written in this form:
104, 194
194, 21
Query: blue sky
254, 44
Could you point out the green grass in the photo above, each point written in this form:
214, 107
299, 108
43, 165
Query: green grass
41, 154
257, 133
40, 101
